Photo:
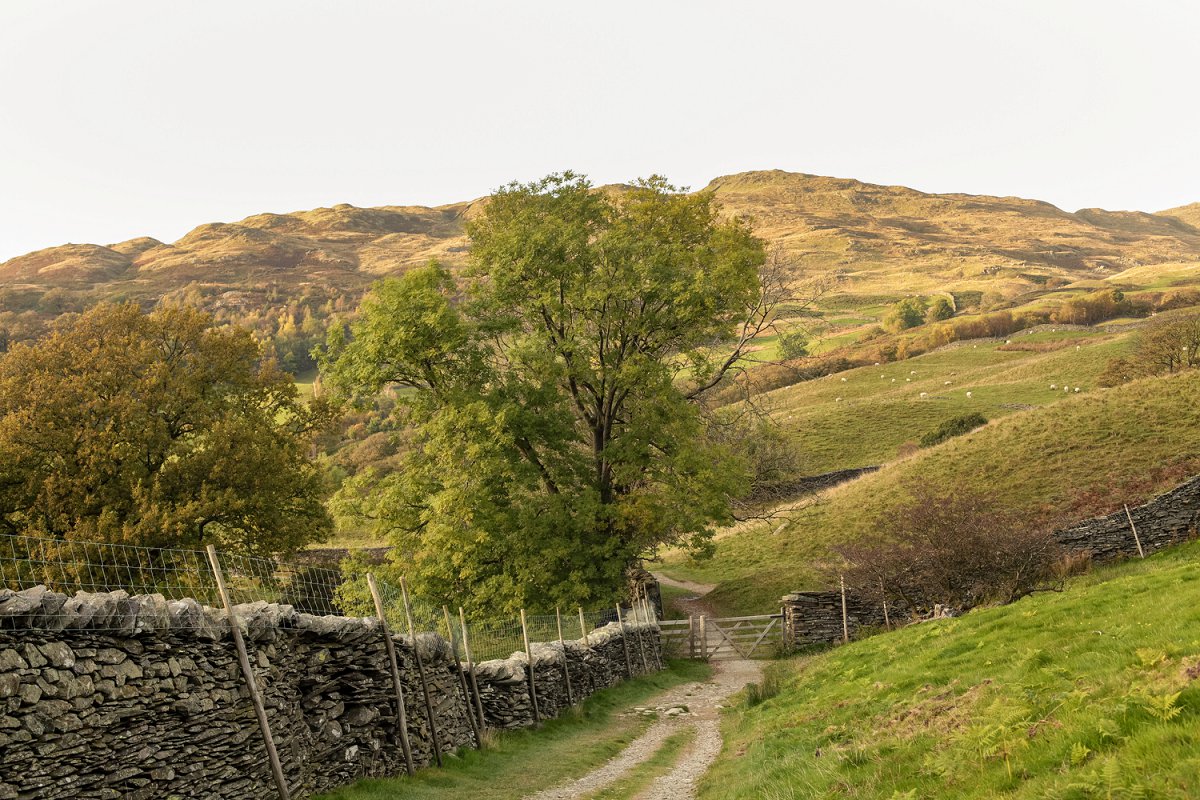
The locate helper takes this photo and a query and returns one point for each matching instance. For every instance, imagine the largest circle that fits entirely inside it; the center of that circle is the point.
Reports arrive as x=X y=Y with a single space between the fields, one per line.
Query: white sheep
x=968 y=394
x=1077 y=388
x=924 y=394
x=945 y=383
x=1054 y=386
x=843 y=380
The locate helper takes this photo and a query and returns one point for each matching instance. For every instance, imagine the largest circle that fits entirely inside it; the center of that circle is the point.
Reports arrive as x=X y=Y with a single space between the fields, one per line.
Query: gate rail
x=706 y=638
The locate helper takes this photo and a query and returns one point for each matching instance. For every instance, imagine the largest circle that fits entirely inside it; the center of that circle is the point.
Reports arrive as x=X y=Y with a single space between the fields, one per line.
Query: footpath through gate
x=707 y=638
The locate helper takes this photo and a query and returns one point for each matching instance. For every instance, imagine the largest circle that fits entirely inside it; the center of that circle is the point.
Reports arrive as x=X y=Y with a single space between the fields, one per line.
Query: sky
x=121 y=118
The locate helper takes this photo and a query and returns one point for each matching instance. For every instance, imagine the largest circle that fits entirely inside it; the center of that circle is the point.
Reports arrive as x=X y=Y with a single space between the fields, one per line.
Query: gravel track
x=702 y=701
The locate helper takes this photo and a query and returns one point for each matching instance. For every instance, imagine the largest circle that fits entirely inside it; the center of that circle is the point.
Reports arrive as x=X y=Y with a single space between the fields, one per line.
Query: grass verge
x=521 y=762
x=1091 y=693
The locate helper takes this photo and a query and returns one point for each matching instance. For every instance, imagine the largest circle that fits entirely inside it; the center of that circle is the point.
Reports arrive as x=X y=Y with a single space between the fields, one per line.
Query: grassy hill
x=1092 y=693
x=1075 y=456
x=879 y=242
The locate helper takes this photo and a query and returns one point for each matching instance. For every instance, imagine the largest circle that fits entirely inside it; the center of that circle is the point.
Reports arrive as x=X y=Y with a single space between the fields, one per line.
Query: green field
x=864 y=415
x=1091 y=693
x=1057 y=462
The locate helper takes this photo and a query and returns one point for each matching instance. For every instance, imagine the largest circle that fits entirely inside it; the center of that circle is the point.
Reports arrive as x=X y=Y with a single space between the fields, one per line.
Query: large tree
x=155 y=429
x=557 y=400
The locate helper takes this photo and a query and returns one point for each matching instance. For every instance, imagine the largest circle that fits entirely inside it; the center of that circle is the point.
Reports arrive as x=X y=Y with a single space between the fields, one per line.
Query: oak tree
x=155 y=429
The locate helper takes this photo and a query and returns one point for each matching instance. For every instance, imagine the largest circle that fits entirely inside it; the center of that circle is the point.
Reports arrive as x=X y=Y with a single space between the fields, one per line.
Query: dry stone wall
x=1169 y=519
x=112 y=696
x=1166 y=520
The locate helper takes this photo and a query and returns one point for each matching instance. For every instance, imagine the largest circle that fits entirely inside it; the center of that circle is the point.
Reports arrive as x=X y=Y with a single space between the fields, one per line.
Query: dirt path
x=689 y=605
x=702 y=701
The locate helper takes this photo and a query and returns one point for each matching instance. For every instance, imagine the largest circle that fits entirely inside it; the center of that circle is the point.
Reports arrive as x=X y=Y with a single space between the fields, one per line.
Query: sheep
x=968 y=394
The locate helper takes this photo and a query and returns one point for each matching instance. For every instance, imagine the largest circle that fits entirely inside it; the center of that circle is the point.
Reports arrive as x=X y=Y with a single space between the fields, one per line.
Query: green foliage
x=1164 y=346
x=1162 y=707
x=556 y=403
x=908 y=313
x=955 y=426
x=940 y=309
x=159 y=430
x=793 y=344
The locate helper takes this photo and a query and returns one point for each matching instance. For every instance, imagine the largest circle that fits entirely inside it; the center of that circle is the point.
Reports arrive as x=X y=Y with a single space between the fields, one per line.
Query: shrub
x=1167 y=345
x=908 y=313
x=939 y=310
x=957 y=550
x=793 y=344
x=955 y=426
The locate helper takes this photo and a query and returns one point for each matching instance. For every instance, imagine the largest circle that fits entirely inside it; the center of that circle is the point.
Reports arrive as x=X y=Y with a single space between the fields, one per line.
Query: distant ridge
x=857 y=230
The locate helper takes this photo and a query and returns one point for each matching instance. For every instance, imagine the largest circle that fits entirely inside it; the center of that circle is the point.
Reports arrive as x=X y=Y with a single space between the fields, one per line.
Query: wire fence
x=164 y=581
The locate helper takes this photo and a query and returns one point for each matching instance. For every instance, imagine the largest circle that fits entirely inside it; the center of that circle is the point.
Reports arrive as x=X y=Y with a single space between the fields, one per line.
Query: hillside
x=1076 y=456
x=876 y=239
x=1091 y=693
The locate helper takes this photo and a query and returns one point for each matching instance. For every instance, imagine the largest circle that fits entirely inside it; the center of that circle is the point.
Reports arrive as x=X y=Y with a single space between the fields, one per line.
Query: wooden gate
x=707 y=638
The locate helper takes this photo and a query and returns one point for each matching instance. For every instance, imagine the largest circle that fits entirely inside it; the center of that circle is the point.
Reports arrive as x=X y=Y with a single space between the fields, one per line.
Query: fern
x=1079 y=753
x=1162 y=707
x=1150 y=657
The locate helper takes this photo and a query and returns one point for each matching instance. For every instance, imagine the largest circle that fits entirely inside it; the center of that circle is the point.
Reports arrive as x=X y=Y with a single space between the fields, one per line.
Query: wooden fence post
x=248 y=674
x=583 y=629
x=845 y=621
x=887 y=621
x=462 y=619
x=1137 y=539
x=691 y=636
x=652 y=621
x=640 y=645
x=566 y=661
x=401 y=713
x=625 y=643
x=412 y=635
x=537 y=717
x=703 y=640
x=462 y=677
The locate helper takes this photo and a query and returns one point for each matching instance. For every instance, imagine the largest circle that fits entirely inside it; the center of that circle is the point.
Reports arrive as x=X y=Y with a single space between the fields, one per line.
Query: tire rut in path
x=701 y=700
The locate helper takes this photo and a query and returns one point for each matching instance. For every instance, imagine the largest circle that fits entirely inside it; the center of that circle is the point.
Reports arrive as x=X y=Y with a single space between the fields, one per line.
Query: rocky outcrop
x=108 y=695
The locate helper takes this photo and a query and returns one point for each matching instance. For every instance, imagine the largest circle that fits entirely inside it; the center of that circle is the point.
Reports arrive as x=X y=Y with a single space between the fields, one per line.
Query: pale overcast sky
x=122 y=118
